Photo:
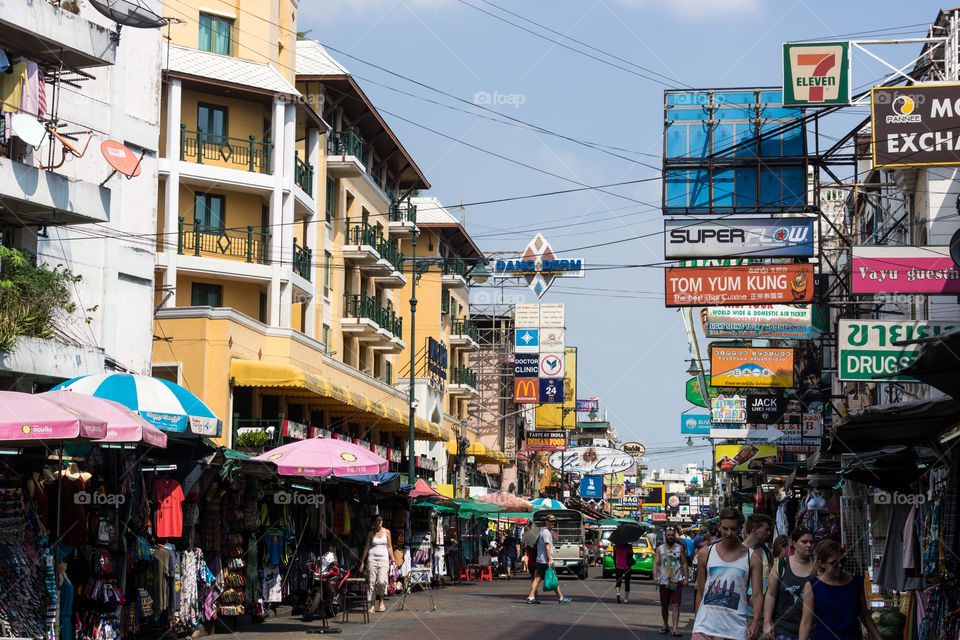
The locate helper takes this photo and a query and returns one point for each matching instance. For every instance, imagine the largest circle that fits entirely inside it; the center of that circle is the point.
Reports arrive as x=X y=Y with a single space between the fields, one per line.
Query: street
x=498 y=610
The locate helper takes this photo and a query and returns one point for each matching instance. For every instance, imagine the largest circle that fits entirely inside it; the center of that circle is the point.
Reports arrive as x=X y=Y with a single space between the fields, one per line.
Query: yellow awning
x=485 y=455
x=249 y=373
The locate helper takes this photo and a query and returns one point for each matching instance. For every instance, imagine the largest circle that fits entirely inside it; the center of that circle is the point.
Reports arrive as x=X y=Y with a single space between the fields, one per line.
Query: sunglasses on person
x=839 y=562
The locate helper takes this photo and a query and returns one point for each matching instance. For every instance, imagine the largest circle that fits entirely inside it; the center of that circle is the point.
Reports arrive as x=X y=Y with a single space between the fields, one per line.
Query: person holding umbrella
x=622 y=540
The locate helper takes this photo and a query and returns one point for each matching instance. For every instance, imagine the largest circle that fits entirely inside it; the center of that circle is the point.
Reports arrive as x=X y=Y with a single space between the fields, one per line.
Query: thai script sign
x=866 y=347
x=754 y=237
x=885 y=269
x=754 y=321
x=695 y=424
x=751 y=367
x=738 y=285
x=915 y=126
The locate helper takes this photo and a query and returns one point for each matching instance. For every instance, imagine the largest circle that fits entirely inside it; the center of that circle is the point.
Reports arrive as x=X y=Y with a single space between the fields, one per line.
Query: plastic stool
x=464 y=574
x=485 y=573
x=354 y=592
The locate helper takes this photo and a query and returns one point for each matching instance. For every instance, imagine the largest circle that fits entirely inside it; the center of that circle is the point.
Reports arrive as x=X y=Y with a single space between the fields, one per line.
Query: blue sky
x=632 y=349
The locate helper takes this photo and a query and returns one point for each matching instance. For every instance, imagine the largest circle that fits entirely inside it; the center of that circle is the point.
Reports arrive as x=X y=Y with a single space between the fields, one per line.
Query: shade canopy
x=547 y=503
x=162 y=403
x=509 y=501
x=323 y=457
x=904 y=423
x=123 y=424
x=27 y=419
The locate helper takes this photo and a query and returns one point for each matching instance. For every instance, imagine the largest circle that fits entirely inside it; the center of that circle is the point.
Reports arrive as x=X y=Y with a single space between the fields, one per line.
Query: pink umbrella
x=324 y=457
x=510 y=501
x=27 y=419
x=123 y=425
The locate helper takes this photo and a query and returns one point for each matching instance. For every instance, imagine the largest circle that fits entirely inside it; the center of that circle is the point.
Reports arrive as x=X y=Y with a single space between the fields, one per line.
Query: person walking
x=781 y=548
x=545 y=560
x=376 y=553
x=726 y=570
x=508 y=553
x=623 y=565
x=759 y=530
x=834 y=599
x=670 y=572
x=783 y=604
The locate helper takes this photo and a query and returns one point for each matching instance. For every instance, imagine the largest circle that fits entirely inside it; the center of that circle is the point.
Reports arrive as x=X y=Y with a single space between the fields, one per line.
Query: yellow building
x=279 y=260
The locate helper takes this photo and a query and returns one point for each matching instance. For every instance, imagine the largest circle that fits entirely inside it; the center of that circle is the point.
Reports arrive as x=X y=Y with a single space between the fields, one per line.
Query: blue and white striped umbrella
x=547 y=503
x=165 y=405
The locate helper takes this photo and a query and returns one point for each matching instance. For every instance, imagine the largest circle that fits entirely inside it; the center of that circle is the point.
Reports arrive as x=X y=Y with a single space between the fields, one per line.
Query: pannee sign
x=773 y=284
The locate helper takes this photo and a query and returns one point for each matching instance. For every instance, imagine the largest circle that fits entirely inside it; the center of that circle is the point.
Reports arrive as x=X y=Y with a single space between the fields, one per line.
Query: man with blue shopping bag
x=543 y=570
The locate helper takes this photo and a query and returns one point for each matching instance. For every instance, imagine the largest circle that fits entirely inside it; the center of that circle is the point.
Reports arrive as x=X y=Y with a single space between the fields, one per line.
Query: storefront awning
x=937 y=363
x=485 y=455
x=905 y=423
x=249 y=373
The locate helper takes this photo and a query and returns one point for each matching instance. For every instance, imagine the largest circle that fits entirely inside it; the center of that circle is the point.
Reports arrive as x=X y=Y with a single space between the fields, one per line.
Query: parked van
x=570 y=550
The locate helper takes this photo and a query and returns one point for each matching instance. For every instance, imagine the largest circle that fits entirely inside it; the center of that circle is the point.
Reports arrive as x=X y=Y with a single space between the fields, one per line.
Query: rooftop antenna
x=128 y=13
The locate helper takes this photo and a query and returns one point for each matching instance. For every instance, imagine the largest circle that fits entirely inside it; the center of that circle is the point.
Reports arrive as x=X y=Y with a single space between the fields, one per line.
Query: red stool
x=464 y=575
x=485 y=573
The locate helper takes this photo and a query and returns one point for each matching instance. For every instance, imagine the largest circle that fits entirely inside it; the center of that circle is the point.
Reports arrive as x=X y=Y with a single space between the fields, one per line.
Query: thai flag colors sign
x=751 y=367
x=772 y=284
x=904 y=270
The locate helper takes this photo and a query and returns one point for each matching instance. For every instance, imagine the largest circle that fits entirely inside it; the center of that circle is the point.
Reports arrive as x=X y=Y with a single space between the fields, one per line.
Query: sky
x=573 y=93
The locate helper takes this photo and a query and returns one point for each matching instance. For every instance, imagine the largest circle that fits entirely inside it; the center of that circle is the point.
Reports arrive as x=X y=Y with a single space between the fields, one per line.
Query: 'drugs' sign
x=866 y=347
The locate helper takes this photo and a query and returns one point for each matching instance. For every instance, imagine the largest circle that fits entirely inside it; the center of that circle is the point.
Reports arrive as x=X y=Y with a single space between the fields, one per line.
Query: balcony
x=463 y=383
x=403 y=219
x=375 y=255
x=345 y=153
x=223 y=151
x=366 y=319
x=303 y=175
x=302 y=260
x=454 y=273
x=464 y=335
x=250 y=245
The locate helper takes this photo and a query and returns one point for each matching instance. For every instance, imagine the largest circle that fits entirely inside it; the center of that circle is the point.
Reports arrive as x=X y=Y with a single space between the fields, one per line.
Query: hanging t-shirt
x=276 y=541
x=170 y=511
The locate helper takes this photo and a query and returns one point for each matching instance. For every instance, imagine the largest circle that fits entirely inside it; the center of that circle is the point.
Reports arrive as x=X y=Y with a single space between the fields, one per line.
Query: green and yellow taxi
x=642 y=557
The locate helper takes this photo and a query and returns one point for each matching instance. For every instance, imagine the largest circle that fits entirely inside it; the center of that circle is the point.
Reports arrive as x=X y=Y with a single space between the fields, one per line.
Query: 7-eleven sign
x=816 y=73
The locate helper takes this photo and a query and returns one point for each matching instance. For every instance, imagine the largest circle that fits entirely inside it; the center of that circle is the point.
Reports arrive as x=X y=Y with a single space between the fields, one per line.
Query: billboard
x=526 y=365
x=922 y=269
x=915 y=126
x=748 y=457
x=539 y=266
x=591 y=460
x=695 y=424
x=591 y=487
x=560 y=415
x=816 y=73
x=752 y=237
x=526 y=390
x=547 y=441
x=732 y=151
x=590 y=404
x=773 y=284
x=751 y=367
x=551 y=390
x=866 y=347
x=652 y=495
x=728 y=410
x=765 y=409
x=693 y=391
x=754 y=321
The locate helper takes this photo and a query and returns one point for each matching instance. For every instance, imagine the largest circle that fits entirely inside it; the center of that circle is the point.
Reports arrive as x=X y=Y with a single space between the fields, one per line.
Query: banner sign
x=526 y=316
x=584 y=406
x=866 y=347
x=695 y=424
x=748 y=457
x=634 y=449
x=728 y=410
x=527 y=341
x=693 y=391
x=437 y=358
x=551 y=390
x=539 y=266
x=915 y=126
x=552 y=315
x=526 y=365
x=765 y=409
x=526 y=390
x=591 y=460
x=630 y=502
x=771 y=284
x=547 y=441
x=885 y=269
x=551 y=365
x=551 y=339
x=591 y=487
x=816 y=73
x=295 y=430
x=754 y=321
x=751 y=367
x=651 y=495
x=753 y=237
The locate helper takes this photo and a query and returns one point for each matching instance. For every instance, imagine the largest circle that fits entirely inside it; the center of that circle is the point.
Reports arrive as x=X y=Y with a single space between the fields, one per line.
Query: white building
x=100 y=225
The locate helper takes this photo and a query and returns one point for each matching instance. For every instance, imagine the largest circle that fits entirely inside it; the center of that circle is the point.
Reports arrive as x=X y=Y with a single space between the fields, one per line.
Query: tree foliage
x=33 y=297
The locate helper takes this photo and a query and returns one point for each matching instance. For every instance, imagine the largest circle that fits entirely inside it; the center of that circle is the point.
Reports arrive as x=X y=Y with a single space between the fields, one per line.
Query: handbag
x=550 y=581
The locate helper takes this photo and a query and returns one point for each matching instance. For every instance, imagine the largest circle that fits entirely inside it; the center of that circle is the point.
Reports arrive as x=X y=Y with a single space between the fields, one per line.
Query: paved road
x=481 y=611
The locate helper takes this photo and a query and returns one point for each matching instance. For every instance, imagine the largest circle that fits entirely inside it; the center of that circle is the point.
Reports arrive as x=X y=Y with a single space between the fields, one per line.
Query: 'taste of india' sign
x=539 y=266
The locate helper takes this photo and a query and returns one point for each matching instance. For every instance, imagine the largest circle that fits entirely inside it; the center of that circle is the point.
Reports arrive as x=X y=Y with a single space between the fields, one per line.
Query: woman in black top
x=783 y=604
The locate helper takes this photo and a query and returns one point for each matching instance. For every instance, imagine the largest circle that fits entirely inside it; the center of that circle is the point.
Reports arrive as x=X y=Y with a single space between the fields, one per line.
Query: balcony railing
x=463 y=375
x=389 y=250
x=250 y=244
x=368 y=234
x=465 y=328
x=345 y=143
x=302 y=260
x=303 y=175
x=239 y=153
x=455 y=267
x=403 y=212
x=364 y=306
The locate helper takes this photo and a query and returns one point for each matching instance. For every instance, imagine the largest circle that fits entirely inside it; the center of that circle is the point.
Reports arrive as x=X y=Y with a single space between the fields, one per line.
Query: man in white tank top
x=726 y=569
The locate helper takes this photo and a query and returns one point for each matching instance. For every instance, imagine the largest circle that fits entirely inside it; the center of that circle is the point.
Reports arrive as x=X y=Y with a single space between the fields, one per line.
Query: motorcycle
x=325 y=587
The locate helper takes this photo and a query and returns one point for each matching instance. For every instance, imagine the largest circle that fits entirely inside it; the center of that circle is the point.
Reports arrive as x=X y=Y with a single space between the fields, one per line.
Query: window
x=325 y=338
x=208 y=210
x=206 y=295
x=327 y=273
x=331 y=199
x=212 y=120
x=389 y=373
x=216 y=34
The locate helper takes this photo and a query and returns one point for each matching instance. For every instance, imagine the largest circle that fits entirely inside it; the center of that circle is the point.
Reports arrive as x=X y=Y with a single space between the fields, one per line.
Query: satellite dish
x=121 y=158
x=128 y=13
x=955 y=247
x=29 y=129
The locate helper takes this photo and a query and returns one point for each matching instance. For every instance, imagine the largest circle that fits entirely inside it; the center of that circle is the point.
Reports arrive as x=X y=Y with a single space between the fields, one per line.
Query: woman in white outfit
x=377 y=556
